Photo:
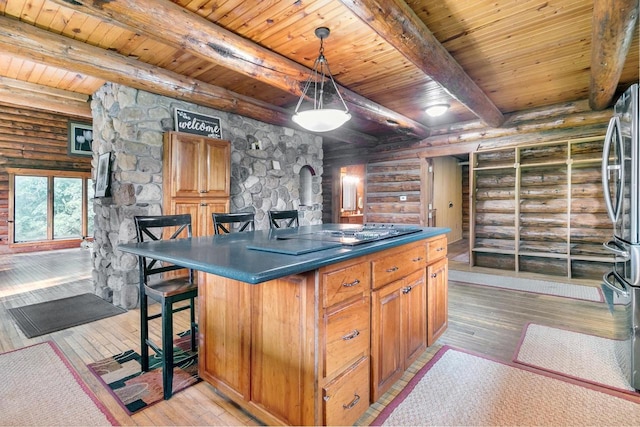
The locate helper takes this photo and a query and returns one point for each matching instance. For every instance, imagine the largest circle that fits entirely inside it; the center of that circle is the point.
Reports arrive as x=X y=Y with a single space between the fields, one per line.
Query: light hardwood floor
x=482 y=319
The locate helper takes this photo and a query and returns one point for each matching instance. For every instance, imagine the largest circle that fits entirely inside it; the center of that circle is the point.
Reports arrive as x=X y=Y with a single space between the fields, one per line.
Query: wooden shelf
x=545 y=195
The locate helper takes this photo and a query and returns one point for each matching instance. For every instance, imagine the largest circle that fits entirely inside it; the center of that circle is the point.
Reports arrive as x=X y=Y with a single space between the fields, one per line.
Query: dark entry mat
x=51 y=316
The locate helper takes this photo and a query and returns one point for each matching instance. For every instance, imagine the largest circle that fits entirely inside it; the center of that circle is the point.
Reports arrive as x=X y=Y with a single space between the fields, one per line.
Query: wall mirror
x=349 y=190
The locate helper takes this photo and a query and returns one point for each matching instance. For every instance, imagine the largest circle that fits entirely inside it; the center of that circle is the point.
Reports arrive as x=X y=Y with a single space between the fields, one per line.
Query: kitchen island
x=307 y=326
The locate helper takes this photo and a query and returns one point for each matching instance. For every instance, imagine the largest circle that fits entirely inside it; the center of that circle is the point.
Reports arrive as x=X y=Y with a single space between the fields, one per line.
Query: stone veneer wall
x=130 y=125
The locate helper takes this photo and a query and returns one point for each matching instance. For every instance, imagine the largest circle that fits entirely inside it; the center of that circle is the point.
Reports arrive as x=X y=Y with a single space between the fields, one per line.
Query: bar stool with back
x=166 y=292
x=277 y=219
x=223 y=222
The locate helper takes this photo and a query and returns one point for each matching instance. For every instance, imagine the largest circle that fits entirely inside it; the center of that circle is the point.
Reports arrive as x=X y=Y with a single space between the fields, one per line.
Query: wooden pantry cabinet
x=196 y=178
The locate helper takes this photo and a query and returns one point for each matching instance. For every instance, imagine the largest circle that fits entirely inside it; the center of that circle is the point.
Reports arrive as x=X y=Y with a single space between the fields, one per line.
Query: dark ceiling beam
x=614 y=22
x=399 y=26
x=202 y=38
x=29 y=42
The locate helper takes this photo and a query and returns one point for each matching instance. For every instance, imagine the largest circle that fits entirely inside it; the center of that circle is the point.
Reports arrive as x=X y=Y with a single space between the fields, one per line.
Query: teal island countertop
x=258 y=256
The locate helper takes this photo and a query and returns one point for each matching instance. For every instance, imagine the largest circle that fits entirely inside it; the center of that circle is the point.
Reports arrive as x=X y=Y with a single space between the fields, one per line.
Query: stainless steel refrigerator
x=621 y=183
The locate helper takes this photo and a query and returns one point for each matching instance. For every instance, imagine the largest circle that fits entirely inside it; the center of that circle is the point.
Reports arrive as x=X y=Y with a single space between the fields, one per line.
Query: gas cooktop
x=359 y=235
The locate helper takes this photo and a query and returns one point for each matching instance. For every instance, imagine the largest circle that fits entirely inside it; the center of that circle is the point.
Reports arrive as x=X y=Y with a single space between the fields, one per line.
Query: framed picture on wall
x=80 y=138
x=102 y=175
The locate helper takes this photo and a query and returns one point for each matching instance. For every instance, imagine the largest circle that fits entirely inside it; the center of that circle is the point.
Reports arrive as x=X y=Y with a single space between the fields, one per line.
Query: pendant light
x=318 y=118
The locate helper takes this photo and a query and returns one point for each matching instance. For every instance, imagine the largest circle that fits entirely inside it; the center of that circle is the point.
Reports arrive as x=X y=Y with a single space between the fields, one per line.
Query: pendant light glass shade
x=318 y=118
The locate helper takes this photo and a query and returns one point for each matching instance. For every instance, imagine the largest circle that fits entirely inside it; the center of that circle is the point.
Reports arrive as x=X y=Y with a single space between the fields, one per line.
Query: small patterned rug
x=567 y=290
x=462 y=389
x=136 y=390
x=39 y=387
x=585 y=357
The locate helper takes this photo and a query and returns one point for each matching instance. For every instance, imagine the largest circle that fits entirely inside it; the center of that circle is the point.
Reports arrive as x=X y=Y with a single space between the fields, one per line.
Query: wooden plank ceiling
x=391 y=58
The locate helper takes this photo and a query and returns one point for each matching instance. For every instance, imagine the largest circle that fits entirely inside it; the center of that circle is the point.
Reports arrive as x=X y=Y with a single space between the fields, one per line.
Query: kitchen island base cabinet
x=257 y=345
x=318 y=347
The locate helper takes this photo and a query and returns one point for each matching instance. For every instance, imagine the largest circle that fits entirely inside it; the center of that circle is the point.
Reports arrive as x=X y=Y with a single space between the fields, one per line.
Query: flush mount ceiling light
x=437 y=109
x=318 y=118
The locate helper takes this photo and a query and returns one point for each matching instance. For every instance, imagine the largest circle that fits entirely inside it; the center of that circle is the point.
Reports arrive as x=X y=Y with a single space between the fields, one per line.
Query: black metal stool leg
x=193 y=325
x=167 y=348
x=144 y=332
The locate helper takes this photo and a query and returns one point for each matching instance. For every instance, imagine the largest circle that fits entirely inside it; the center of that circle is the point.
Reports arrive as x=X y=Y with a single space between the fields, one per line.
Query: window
x=50 y=205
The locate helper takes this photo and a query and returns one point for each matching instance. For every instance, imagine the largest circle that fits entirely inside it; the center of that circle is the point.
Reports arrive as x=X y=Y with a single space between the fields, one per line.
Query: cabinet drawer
x=347 y=398
x=346 y=336
x=436 y=248
x=344 y=282
x=397 y=264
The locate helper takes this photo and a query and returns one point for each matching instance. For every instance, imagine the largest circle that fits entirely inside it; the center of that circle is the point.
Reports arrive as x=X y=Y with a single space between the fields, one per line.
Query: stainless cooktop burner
x=356 y=236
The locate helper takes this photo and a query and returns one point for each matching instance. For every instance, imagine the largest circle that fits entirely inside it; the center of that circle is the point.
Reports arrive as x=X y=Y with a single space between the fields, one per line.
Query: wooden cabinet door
x=414 y=308
x=205 y=227
x=216 y=170
x=387 y=361
x=184 y=164
x=437 y=297
x=200 y=210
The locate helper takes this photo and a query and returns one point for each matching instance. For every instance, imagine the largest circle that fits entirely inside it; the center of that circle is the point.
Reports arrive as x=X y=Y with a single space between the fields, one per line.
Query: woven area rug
x=135 y=390
x=51 y=316
x=585 y=357
x=458 y=388
x=39 y=387
x=567 y=290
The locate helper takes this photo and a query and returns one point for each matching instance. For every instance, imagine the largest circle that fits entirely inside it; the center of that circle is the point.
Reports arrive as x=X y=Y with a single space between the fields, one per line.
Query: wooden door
x=437 y=297
x=387 y=359
x=414 y=307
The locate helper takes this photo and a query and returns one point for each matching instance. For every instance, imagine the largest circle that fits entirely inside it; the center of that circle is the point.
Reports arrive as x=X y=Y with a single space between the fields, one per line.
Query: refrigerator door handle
x=620 y=290
x=614 y=126
x=612 y=246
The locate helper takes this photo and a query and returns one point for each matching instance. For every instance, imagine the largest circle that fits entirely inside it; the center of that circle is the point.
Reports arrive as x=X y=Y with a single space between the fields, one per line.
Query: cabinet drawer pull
x=352 y=335
x=417 y=259
x=203 y=204
x=434 y=275
x=352 y=284
x=203 y=191
x=407 y=289
x=439 y=249
x=353 y=403
x=392 y=269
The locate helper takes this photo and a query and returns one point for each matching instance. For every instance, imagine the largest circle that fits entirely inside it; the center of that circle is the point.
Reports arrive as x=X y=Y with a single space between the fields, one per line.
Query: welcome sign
x=199 y=124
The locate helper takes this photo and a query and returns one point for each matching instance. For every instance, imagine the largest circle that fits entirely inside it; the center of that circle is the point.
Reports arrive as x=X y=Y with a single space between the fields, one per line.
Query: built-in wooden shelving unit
x=540 y=208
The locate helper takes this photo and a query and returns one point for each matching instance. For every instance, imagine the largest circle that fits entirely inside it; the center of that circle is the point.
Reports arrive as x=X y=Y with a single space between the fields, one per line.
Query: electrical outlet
x=403 y=198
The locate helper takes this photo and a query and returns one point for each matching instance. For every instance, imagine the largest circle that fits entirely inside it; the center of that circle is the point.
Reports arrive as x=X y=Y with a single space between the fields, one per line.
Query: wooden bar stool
x=277 y=219
x=223 y=222
x=166 y=291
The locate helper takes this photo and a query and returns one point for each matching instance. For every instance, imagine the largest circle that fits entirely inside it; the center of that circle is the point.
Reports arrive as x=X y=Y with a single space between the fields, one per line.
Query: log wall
x=32 y=139
x=385 y=183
